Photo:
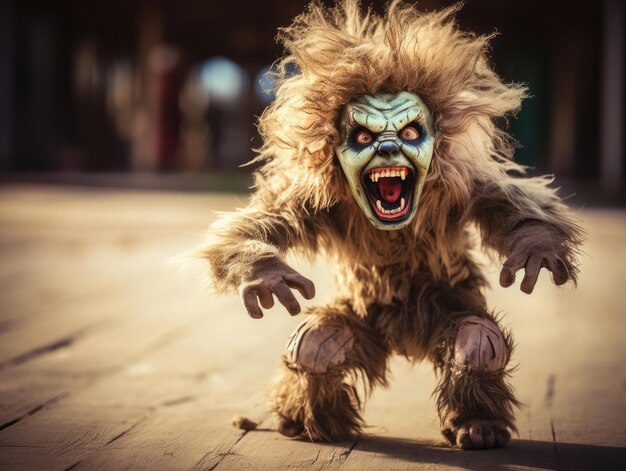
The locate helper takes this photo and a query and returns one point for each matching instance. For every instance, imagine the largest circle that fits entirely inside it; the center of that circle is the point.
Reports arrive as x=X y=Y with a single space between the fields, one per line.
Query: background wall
x=176 y=85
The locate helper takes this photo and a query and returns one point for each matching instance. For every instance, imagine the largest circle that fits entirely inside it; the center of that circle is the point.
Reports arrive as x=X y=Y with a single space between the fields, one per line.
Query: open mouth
x=390 y=191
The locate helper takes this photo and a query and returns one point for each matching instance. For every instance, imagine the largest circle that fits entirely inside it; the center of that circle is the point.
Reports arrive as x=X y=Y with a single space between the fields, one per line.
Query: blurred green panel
x=529 y=64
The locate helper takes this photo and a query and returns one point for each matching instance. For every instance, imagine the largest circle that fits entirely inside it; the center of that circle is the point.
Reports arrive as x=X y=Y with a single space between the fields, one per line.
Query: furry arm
x=524 y=220
x=245 y=251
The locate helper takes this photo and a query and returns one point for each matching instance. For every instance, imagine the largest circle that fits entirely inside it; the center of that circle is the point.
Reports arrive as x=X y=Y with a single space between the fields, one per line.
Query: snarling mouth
x=389 y=190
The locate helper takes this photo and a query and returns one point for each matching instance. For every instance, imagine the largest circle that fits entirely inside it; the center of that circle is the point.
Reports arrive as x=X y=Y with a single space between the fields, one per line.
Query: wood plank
x=140 y=401
x=185 y=436
x=142 y=394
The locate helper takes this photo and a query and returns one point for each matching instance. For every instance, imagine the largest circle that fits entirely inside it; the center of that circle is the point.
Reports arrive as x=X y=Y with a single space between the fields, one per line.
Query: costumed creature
x=382 y=152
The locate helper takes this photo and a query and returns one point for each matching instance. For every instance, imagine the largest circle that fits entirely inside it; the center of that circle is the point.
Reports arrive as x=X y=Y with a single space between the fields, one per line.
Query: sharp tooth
x=377 y=176
x=372 y=177
x=402 y=174
x=380 y=206
x=401 y=202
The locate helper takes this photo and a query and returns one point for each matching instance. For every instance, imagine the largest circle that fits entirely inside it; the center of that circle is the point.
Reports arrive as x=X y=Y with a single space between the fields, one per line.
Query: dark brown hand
x=534 y=245
x=274 y=278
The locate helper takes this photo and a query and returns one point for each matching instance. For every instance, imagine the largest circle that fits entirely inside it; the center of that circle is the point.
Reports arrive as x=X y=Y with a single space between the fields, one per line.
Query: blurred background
x=120 y=92
x=110 y=360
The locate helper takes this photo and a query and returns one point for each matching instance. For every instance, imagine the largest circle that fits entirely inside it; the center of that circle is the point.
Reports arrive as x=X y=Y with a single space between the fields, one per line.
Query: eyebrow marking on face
x=368 y=110
x=376 y=102
x=385 y=112
x=401 y=106
x=375 y=122
x=398 y=122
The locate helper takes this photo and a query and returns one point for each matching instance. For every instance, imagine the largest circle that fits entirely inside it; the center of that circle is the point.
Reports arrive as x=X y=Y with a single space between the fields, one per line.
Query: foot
x=475 y=434
x=288 y=427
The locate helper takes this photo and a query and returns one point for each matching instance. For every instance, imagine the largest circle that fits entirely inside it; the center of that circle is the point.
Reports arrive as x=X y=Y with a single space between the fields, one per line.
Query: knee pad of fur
x=366 y=357
x=327 y=407
x=328 y=404
x=465 y=393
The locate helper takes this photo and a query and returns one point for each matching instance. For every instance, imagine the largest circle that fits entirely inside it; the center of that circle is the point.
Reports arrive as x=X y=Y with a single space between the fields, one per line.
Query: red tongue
x=390 y=189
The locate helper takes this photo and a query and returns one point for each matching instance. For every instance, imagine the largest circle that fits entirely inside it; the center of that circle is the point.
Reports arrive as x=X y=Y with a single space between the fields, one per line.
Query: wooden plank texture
x=113 y=358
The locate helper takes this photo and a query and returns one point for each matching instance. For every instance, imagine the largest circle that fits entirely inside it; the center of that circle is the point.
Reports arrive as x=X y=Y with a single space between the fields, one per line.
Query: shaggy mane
x=342 y=52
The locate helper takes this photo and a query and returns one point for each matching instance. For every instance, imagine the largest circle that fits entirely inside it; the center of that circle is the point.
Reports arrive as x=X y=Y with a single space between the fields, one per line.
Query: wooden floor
x=111 y=357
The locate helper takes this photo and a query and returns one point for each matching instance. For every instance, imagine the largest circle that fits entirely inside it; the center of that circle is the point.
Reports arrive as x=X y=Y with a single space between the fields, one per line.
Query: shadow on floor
x=518 y=454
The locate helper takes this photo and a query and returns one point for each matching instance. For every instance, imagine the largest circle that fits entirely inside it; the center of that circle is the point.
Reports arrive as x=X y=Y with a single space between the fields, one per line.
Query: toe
x=502 y=437
x=463 y=439
x=476 y=435
x=289 y=428
x=449 y=435
x=489 y=436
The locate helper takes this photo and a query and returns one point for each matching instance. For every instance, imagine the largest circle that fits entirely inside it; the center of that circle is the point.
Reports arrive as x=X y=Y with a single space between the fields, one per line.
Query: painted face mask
x=386 y=149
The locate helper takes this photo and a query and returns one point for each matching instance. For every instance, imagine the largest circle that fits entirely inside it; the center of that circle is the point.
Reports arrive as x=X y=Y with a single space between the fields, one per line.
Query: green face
x=386 y=149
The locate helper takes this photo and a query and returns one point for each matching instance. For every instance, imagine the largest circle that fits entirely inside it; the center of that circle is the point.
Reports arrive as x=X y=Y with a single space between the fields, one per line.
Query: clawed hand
x=534 y=246
x=274 y=278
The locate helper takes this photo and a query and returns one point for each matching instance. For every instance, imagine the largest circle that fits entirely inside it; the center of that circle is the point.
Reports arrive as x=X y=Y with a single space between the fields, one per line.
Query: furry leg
x=474 y=400
x=315 y=393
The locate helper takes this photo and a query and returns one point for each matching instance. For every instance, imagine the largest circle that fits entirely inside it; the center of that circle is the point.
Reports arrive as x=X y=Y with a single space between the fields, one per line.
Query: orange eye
x=364 y=137
x=409 y=134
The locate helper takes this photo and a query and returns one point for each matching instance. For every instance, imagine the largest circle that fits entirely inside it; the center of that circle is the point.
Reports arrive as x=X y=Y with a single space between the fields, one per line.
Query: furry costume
x=415 y=290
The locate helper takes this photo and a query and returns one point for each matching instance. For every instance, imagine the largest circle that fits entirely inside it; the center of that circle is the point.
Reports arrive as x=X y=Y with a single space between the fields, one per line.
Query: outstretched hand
x=274 y=278
x=533 y=246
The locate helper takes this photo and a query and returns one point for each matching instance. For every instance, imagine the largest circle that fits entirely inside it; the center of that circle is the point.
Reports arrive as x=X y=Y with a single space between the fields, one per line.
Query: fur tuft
x=328 y=408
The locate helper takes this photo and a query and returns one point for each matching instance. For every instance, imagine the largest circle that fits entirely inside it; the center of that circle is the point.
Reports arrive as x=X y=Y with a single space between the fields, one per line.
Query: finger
x=302 y=284
x=489 y=437
x=463 y=439
x=532 y=273
x=476 y=435
x=286 y=298
x=265 y=297
x=507 y=277
x=560 y=273
x=249 y=297
x=509 y=268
